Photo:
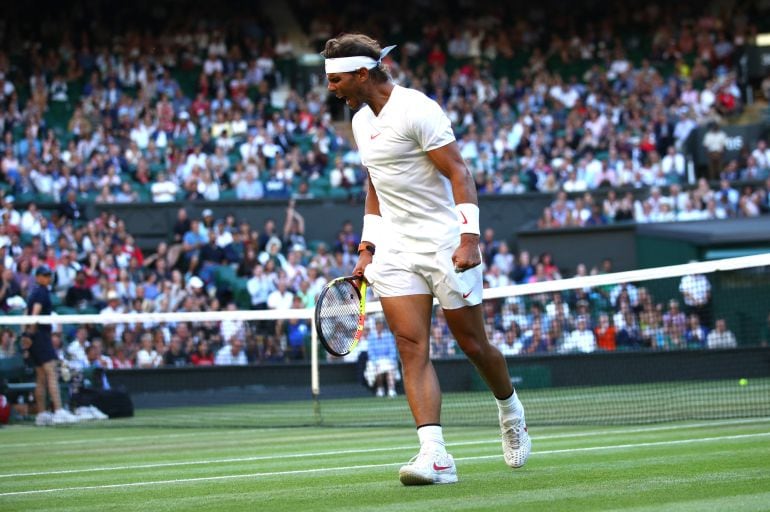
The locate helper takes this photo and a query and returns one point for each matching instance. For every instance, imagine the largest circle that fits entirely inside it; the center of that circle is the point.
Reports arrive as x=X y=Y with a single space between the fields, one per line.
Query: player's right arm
x=368 y=244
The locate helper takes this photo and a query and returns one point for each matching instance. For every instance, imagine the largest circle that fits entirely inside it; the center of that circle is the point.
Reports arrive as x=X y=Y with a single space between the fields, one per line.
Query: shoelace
x=431 y=456
x=512 y=434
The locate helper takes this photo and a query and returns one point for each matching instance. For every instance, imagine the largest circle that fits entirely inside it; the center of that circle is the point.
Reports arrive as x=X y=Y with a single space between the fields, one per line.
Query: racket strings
x=339 y=315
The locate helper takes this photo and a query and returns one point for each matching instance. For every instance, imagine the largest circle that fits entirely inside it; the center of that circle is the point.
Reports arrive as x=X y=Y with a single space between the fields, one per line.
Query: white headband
x=348 y=64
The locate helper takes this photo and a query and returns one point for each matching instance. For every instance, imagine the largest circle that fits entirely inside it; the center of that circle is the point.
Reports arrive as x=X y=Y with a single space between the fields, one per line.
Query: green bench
x=13 y=373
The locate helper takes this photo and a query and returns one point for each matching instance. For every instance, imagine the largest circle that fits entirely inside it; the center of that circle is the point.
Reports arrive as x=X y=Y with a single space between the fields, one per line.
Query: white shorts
x=394 y=273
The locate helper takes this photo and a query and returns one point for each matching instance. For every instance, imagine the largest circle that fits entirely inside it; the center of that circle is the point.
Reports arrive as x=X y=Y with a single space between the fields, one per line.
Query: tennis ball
x=743 y=382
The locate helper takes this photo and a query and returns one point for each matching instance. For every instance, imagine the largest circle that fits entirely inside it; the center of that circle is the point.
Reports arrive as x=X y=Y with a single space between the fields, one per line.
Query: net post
x=315 y=387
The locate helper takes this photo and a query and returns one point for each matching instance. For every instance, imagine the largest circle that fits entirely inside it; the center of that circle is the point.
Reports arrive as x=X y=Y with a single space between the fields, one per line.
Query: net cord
x=704 y=267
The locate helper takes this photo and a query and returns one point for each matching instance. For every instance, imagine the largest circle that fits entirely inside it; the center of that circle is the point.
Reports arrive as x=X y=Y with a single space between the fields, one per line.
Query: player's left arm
x=450 y=163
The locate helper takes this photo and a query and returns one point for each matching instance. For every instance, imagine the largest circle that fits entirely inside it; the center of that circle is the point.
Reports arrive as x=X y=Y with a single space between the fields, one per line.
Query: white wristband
x=372 y=228
x=468 y=217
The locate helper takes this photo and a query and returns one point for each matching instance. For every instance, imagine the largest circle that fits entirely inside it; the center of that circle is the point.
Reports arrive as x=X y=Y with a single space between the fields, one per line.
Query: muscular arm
x=371 y=207
x=449 y=162
x=372 y=203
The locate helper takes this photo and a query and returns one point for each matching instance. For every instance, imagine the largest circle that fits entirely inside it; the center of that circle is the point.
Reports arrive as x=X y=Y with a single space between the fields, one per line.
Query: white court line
x=370 y=466
x=363 y=451
x=155 y=437
x=373 y=450
x=251 y=431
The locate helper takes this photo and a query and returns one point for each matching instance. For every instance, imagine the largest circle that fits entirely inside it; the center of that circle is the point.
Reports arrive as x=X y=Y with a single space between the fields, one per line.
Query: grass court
x=215 y=461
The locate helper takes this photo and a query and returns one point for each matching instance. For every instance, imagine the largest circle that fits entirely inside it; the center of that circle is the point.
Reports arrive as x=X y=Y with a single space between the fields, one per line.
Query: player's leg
x=467 y=326
x=409 y=319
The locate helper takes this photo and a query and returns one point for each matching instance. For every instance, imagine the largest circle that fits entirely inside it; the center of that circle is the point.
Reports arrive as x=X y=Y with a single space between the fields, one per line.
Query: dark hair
x=354 y=45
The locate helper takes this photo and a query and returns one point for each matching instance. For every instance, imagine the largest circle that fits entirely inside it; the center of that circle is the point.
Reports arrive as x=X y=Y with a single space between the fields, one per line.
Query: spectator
x=249 y=187
x=696 y=293
x=582 y=339
x=210 y=257
x=674 y=165
x=721 y=337
x=79 y=295
x=76 y=349
x=297 y=334
x=147 y=356
x=537 y=341
x=175 y=355
x=121 y=360
x=65 y=274
x=202 y=355
x=10 y=290
x=71 y=209
x=232 y=329
x=675 y=324
x=164 y=190
x=231 y=354
x=383 y=358
x=696 y=334
x=715 y=141
x=281 y=297
x=629 y=336
x=605 y=334
x=126 y=195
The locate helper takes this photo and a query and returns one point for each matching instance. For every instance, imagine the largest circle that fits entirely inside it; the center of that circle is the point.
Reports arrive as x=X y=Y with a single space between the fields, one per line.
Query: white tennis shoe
x=64 y=417
x=97 y=414
x=44 y=419
x=516 y=441
x=89 y=412
x=429 y=467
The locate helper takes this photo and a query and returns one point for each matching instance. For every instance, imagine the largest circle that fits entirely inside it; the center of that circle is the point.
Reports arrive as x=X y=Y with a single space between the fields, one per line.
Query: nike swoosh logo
x=465 y=295
x=372 y=137
x=465 y=221
x=436 y=467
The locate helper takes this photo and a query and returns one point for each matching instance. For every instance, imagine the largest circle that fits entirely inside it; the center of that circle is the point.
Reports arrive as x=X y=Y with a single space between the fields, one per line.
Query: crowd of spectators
x=540 y=101
x=608 y=318
x=111 y=116
x=701 y=202
x=569 y=112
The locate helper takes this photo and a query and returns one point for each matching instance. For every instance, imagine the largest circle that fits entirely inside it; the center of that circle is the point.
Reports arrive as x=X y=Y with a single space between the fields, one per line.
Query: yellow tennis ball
x=743 y=382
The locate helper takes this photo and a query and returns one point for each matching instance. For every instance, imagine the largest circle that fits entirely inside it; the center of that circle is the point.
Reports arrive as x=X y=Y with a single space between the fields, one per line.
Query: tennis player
x=420 y=240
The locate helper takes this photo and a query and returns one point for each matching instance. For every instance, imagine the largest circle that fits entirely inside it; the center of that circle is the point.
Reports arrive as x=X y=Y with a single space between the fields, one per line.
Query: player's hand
x=467 y=255
x=364 y=259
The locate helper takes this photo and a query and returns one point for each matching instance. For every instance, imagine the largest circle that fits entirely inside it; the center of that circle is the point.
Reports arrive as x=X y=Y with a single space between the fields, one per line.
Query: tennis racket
x=340 y=313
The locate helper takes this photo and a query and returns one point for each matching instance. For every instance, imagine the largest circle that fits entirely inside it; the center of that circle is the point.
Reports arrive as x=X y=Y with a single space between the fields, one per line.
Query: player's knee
x=472 y=348
x=409 y=346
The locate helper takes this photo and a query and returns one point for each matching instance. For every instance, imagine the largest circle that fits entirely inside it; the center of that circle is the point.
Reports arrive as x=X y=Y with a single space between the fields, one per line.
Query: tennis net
x=662 y=344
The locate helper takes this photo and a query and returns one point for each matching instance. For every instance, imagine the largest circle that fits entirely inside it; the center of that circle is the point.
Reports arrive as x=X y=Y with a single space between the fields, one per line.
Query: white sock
x=510 y=406
x=431 y=436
